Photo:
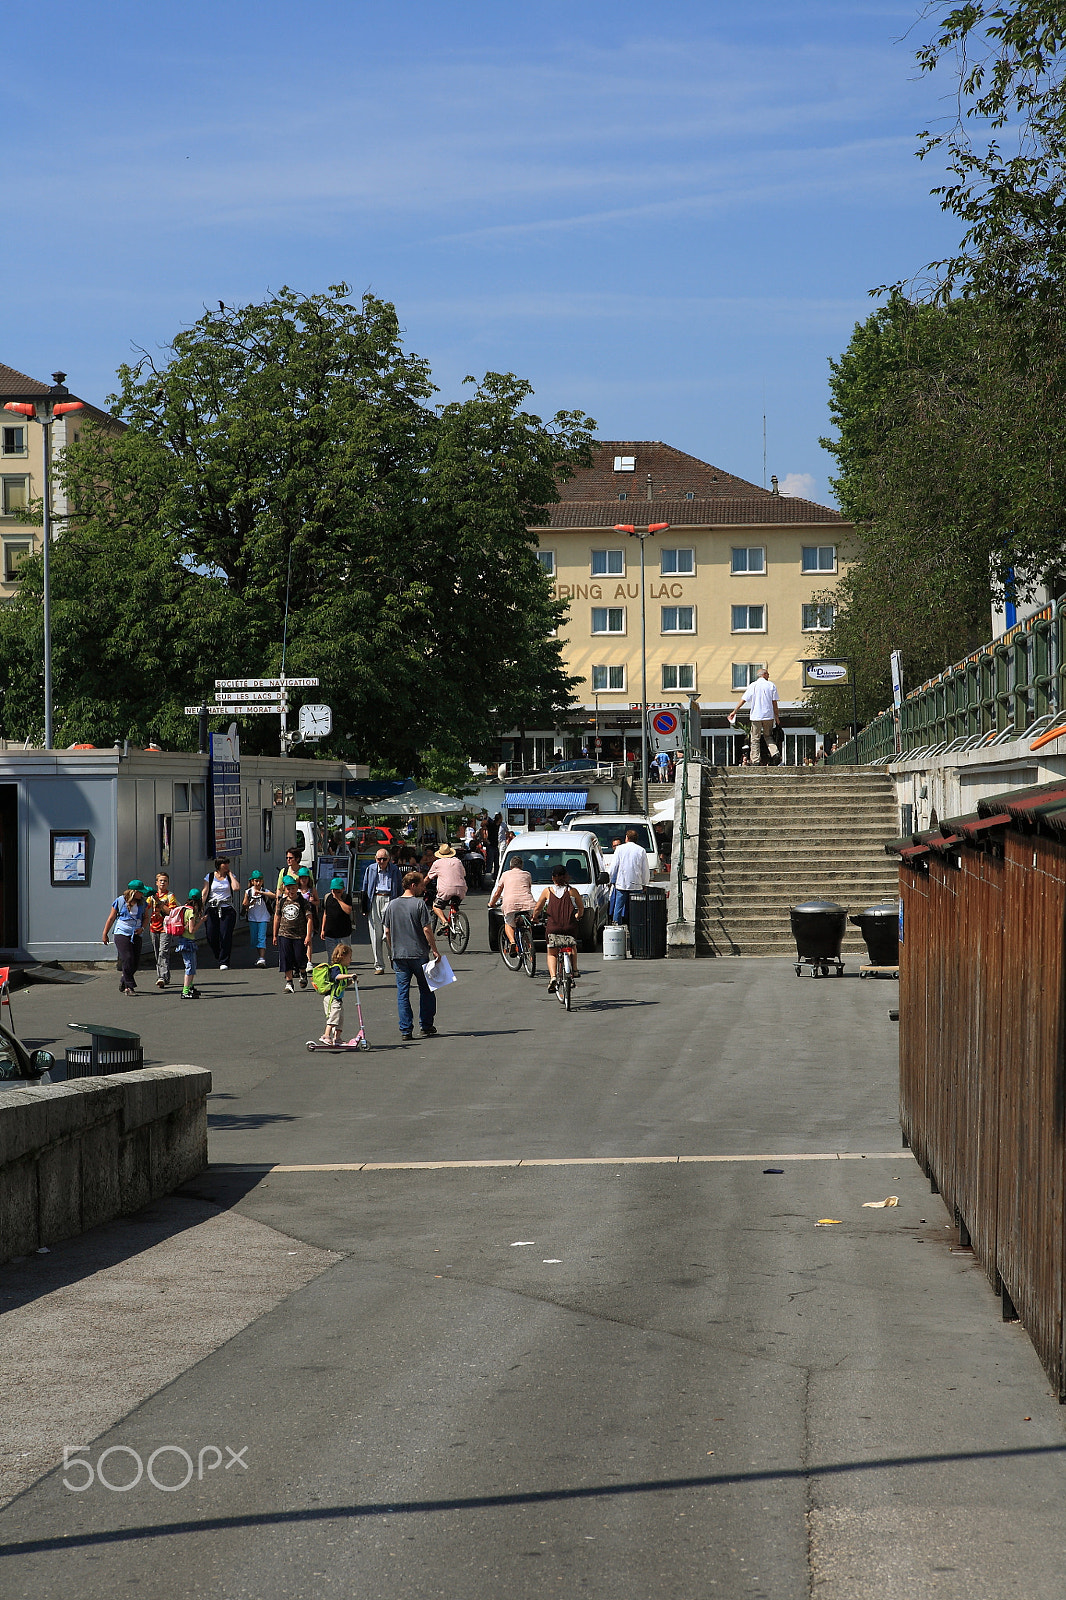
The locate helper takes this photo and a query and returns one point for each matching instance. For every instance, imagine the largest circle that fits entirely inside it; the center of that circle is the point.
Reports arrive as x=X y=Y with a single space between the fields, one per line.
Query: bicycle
x=456 y=929
x=564 y=974
x=523 y=952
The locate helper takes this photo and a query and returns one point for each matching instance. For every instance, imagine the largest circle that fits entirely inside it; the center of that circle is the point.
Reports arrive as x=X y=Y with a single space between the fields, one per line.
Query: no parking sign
x=664 y=729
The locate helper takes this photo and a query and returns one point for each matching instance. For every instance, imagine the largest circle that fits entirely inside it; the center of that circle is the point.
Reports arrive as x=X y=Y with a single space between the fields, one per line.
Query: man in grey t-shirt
x=408 y=924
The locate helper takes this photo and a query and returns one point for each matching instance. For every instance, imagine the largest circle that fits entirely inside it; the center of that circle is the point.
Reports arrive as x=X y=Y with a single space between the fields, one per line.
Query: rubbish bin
x=110 y=1050
x=647 y=924
x=818 y=928
x=879 y=926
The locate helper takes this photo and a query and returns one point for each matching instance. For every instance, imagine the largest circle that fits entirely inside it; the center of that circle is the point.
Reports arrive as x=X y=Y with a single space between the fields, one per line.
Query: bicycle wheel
x=529 y=953
x=566 y=990
x=511 y=953
x=459 y=932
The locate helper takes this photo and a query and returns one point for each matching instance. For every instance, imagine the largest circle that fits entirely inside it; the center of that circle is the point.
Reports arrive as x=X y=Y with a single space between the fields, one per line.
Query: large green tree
x=291 y=449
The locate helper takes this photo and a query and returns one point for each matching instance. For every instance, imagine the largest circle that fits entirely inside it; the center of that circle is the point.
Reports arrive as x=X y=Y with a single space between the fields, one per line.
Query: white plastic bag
x=439 y=972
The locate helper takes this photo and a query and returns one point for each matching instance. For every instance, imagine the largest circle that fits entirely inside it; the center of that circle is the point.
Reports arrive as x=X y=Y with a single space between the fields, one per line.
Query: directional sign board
x=246 y=696
x=266 y=683
x=258 y=709
x=664 y=730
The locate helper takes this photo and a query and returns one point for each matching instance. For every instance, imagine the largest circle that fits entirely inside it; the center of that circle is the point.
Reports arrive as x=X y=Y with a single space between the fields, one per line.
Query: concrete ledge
x=76 y=1154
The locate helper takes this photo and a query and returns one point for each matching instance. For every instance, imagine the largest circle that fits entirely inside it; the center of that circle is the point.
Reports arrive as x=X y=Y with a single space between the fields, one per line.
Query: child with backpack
x=331 y=982
x=258 y=907
x=181 y=924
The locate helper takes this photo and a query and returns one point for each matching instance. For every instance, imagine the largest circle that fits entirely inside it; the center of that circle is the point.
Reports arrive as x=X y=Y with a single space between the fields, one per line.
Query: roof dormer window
x=625 y=463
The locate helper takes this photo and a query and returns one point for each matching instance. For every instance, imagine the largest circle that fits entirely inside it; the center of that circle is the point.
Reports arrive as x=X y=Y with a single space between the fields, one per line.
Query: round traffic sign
x=665 y=723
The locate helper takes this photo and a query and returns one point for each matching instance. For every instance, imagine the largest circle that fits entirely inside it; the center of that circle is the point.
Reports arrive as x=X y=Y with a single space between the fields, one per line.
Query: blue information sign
x=225 y=820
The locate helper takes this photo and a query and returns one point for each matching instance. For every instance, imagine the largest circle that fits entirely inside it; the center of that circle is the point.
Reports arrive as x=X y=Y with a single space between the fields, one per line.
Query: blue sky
x=668 y=217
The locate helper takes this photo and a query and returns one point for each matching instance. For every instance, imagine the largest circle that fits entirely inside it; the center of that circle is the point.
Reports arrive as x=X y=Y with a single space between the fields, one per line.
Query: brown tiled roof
x=770 y=510
x=673 y=475
x=16 y=385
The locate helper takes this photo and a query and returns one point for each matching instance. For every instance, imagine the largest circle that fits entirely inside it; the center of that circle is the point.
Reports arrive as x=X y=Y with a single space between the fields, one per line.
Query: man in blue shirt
x=381 y=883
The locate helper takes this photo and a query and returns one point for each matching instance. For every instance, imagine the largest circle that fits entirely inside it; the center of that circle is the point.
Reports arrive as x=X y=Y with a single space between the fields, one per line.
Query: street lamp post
x=46 y=412
x=642 y=534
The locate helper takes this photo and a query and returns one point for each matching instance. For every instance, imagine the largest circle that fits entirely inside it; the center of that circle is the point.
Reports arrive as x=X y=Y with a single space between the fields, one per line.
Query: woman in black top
x=336 y=912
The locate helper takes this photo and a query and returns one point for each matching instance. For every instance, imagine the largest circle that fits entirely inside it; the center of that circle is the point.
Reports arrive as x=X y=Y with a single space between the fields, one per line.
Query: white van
x=580 y=854
x=614 y=825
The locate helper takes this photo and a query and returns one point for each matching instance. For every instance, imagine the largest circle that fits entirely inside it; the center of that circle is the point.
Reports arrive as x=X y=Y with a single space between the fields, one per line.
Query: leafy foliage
x=291 y=446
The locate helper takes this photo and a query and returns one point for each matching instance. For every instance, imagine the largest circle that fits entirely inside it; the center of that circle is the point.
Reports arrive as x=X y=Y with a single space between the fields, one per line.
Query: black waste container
x=647 y=924
x=818 y=928
x=879 y=926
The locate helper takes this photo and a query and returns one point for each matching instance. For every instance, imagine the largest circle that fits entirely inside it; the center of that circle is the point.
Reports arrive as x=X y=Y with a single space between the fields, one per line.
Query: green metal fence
x=998 y=693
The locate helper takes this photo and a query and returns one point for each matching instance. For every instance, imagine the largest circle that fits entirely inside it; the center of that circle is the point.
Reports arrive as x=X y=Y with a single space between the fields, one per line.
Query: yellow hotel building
x=729 y=587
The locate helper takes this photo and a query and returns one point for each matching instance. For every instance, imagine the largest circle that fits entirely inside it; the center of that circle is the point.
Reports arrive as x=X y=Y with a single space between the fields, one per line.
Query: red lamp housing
x=68 y=405
x=624 y=527
x=658 y=527
x=23 y=407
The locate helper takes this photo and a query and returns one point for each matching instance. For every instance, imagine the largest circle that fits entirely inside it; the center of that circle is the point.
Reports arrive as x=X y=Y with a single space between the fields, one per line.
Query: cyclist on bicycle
x=449 y=877
x=515 y=888
x=563 y=906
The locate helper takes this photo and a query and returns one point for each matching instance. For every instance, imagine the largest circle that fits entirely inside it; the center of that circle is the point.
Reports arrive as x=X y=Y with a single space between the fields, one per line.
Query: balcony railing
x=1011 y=687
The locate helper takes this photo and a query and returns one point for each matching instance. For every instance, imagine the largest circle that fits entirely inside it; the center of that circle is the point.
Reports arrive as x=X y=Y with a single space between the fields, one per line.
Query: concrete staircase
x=772 y=837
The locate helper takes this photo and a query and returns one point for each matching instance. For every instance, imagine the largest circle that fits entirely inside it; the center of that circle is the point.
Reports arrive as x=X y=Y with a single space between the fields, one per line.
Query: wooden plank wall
x=982 y=1093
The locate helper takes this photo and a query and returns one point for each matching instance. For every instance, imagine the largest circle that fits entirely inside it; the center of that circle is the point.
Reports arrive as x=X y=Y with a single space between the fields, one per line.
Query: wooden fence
x=982 y=1098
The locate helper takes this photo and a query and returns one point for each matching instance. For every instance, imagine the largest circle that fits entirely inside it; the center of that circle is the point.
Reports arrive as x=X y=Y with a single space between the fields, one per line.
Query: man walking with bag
x=760 y=698
x=409 y=930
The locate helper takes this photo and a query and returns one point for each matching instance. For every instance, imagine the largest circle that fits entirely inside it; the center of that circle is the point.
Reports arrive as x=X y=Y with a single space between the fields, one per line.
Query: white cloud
x=800 y=485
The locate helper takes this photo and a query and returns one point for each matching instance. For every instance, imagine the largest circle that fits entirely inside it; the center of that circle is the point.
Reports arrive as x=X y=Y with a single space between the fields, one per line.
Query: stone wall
x=76 y=1154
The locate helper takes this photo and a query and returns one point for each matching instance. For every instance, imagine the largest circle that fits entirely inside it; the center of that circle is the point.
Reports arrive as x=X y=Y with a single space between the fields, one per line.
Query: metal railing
x=998 y=693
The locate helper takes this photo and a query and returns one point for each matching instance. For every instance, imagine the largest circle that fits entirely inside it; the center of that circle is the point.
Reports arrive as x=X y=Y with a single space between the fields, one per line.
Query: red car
x=370 y=838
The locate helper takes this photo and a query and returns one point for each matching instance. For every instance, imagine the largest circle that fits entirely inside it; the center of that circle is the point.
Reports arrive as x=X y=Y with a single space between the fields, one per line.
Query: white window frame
x=625 y=463
x=675 y=551
x=816 y=605
x=677 y=668
x=751 y=670
x=818 y=549
x=10 y=546
x=749 y=609
x=747 y=572
x=547 y=565
x=13 y=477
x=608 y=667
x=662 y=619
x=613 y=550
x=606 y=611
x=16 y=455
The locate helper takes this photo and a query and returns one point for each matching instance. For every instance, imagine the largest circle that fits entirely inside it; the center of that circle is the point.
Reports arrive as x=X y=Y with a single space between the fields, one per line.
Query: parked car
x=369 y=838
x=582 y=857
x=578 y=764
x=608 y=826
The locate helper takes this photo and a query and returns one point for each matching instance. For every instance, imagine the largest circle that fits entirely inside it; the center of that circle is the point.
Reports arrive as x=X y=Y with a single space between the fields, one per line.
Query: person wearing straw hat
x=448 y=875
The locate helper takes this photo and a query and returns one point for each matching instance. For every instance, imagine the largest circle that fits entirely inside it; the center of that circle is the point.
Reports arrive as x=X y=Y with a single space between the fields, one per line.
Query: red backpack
x=175 y=921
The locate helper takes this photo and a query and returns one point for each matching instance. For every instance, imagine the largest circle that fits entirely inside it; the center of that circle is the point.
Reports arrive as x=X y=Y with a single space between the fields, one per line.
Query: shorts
x=447 y=900
x=292 y=955
x=334 y=1009
x=560 y=941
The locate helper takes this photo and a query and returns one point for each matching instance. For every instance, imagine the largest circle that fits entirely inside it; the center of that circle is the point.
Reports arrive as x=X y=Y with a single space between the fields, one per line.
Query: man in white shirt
x=760 y=699
x=629 y=870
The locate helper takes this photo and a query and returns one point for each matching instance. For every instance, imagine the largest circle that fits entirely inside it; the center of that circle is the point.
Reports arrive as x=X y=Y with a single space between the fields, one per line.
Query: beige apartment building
x=730 y=586
x=22 y=468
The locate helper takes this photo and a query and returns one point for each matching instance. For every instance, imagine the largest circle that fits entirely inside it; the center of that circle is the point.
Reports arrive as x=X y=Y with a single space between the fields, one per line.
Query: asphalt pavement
x=585 y=1303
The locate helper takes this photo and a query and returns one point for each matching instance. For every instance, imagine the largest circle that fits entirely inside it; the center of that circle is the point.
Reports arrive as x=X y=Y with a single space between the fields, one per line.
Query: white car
x=614 y=825
x=579 y=852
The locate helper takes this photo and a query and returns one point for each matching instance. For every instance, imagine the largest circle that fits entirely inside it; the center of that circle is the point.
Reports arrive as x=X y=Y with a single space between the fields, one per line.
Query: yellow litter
x=879 y=1205
x=828 y=1222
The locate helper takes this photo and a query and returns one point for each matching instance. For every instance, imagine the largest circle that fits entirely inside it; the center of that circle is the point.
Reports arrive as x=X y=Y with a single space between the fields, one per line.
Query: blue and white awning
x=546 y=799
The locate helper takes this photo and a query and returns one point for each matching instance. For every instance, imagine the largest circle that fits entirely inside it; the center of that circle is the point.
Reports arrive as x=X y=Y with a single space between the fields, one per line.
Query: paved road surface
x=610 y=1354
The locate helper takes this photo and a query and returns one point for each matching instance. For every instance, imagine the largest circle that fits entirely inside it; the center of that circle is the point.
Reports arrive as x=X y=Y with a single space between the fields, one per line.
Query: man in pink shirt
x=448 y=877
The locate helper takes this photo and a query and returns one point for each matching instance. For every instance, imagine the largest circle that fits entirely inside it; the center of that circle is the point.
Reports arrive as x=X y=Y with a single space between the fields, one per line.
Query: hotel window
x=14 y=495
x=547 y=561
x=608 y=563
x=678 y=619
x=606 y=679
x=745 y=672
x=750 y=559
x=819 y=558
x=608 y=619
x=13 y=442
x=680 y=677
x=749 y=619
x=817 y=618
x=15 y=553
x=681 y=562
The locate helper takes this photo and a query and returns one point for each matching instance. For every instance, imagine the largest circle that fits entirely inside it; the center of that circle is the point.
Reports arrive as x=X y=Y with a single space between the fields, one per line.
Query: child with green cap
x=336 y=912
x=192 y=914
x=258 y=908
